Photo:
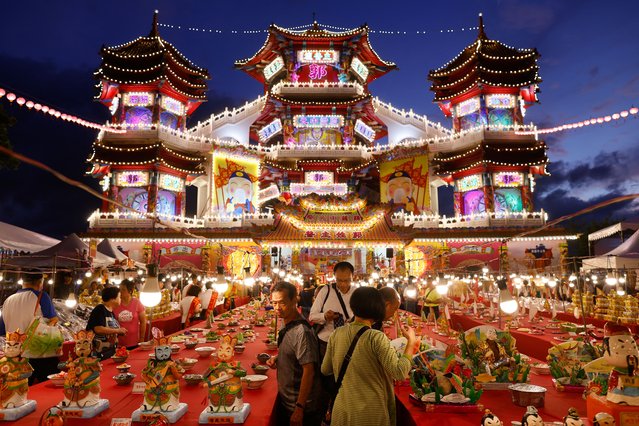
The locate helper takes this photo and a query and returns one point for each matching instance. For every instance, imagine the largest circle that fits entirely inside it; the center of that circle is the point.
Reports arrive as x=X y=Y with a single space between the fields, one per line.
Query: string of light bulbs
x=45 y=109
x=589 y=122
x=422 y=32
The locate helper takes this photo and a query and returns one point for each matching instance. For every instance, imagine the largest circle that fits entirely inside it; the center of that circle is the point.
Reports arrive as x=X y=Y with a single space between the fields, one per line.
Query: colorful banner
x=235 y=184
x=534 y=257
x=320 y=261
x=404 y=184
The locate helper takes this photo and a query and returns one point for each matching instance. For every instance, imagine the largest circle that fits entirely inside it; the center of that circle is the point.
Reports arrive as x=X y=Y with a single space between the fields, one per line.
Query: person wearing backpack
x=297 y=363
x=331 y=307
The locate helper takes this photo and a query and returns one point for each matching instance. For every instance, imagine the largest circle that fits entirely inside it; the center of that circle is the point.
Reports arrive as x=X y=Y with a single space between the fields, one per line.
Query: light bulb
x=20 y=281
x=573 y=277
x=622 y=280
x=87 y=274
x=508 y=306
x=610 y=280
x=411 y=293
x=571 y=284
x=442 y=289
x=50 y=282
x=173 y=278
x=282 y=273
x=70 y=302
x=552 y=283
x=375 y=276
x=621 y=292
x=79 y=282
x=1 y=277
x=140 y=272
x=150 y=295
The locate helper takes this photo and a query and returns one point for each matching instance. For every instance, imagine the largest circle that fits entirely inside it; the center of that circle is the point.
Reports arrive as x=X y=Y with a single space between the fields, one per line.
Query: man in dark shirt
x=297 y=362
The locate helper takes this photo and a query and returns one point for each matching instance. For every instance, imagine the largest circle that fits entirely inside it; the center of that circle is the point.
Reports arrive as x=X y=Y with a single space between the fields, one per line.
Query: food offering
x=441 y=382
x=567 y=360
x=82 y=382
x=224 y=381
x=493 y=357
x=15 y=371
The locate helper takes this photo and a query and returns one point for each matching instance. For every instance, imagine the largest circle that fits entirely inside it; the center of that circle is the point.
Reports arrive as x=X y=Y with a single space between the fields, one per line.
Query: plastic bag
x=43 y=340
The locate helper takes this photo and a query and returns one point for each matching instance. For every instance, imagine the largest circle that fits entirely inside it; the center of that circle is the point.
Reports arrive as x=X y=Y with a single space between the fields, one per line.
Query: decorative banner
x=404 y=184
x=508 y=179
x=359 y=68
x=316 y=261
x=298 y=189
x=318 y=121
x=273 y=68
x=270 y=130
x=132 y=179
x=364 y=130
x=172 y=105
x=467 y=107
x=468 y=183
x=138 y=99
x=235 y=184
x=531 y=258
x=242 y=258
x=318 y=178
x=317 y=56
x=172 y=183
x=500 y=101
x=473 y=256
x=474 y=202
x=508 y=200
x=268 y=194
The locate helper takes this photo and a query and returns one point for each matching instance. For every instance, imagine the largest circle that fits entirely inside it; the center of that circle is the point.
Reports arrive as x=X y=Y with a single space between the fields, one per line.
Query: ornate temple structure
x=318 y=170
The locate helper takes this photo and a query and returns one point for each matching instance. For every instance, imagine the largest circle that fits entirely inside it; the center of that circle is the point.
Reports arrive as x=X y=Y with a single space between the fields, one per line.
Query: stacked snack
x=631 y=305
x=601 y=306
x=589 y=307
x=616 y=307
x=163 y=308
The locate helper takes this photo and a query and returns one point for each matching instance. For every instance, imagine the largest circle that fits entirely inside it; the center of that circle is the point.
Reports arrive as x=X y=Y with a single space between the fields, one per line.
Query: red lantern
x=20 y=101
x=2 y=92
x=11 y=97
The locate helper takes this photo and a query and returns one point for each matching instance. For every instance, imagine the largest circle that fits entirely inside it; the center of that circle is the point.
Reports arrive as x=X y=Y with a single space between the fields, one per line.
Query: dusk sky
x=589 y=65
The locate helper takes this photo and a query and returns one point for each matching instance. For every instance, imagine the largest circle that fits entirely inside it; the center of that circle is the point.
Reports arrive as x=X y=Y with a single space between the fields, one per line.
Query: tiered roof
x=152 y=59
x=487 y=62
x=147 y=154
x=280 y=41
x=491 y=153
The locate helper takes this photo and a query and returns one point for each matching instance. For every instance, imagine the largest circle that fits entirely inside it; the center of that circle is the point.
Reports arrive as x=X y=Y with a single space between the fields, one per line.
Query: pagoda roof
x=488 y=62
x=147 y=154
x=152 y=59
x=519 y=154
x=280 y=40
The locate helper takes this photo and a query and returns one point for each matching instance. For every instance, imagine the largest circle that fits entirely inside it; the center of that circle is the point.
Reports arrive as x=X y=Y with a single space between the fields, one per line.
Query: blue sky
x=589 y=62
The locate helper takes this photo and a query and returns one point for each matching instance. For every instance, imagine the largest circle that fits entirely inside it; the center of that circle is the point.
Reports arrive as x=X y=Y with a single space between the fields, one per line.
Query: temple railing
x=482 y=220
x=120 y=219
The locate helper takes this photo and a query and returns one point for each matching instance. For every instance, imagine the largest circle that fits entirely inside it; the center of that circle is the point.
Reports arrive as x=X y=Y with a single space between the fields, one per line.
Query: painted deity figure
x=14 y=372
x=494 y=353
x=224 y=379
x=620 y=351
x=161 y=375
x=532 y=417
x=82 y=382
x=489 y=419
x=240 y=194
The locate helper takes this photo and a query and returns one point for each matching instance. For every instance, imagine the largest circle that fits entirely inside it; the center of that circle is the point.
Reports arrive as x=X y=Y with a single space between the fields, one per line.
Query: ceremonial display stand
x=11 y=414
x=140 y=415
x=625 y=415
x=86 y=412
x=207 y=417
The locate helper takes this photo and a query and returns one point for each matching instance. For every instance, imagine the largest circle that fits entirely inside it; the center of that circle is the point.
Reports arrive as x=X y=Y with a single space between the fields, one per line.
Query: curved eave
x=295 y=103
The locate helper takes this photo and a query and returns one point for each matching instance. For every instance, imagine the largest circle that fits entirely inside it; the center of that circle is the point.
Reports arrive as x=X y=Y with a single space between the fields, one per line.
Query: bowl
x=190 y=344
x=205 y=351
x=524 y=395
x=270 y=345
x=221 y=326
x=193 y=379
x=260 y=369
x=57 y=379
x=263 y=357
x=146 y=346
x=119 y=359
x=175 y=349
x=123 y=368
x=254 y=381
x=187 y=363
x=123 y=379
x=239 y=349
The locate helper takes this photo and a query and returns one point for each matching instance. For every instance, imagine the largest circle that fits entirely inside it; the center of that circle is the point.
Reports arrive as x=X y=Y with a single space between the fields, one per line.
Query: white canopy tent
x=625 y=256
x=15 y=238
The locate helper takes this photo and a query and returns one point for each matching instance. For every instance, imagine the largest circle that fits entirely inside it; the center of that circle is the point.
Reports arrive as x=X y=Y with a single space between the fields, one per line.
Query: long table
x=123 y=402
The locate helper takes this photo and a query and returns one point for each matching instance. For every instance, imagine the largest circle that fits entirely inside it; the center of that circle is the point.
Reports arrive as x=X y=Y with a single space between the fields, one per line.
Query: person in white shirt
x=327 y=310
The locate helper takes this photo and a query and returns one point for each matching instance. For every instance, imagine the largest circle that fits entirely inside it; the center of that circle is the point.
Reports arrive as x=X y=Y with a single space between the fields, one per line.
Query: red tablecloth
x=123 y=403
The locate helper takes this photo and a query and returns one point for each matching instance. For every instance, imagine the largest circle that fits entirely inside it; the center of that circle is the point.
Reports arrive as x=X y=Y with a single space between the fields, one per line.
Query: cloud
x=536 y=18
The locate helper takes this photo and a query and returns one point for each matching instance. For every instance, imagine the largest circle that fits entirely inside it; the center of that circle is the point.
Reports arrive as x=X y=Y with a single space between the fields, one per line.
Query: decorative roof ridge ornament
x=154 y=26
x=482 y=34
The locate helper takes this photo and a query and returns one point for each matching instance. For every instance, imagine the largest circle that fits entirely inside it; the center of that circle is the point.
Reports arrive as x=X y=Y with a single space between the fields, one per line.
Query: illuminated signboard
x=467 y=107
x=171 y=183
x=508 y=179
x=469 y=183
x=271 y=129
x=171 y=105
x=138 y=99
x=129 y=179
x=303 y=189
x=500 y=101
x=364 y=130
x=317 y=56
x=268 y=193
x=317 y=71
x=318 y=178
x=273 y=68
x=359 y=68
x=319 y=121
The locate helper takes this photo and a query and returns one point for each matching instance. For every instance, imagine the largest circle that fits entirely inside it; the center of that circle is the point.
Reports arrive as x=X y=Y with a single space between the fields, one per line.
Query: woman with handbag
x=367 y=365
